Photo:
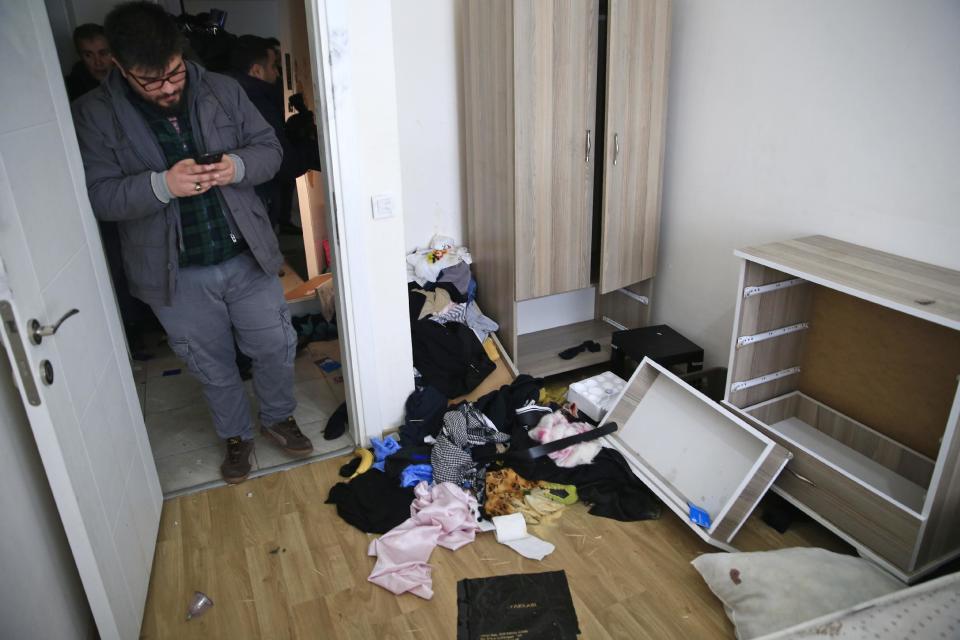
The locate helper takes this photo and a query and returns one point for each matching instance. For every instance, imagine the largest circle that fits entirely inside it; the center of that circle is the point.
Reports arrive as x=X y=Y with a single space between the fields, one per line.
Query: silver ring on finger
x=197 y=187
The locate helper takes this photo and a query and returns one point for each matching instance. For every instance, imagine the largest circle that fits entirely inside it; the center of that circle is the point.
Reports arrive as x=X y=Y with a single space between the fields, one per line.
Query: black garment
x=135 y=314
x=79 y=81
x=501 y=405
x=301 y=129
x=424 y=416
x=372 y=502
x=395 y=463
x=416 y=301
x=277 y=192
x=573 y=352
x=314 y=327
x=449 y=356
x=337 y=423
x=607 y=483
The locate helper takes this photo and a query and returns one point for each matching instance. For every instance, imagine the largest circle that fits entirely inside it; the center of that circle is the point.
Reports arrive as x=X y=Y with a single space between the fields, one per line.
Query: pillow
x=766 y=591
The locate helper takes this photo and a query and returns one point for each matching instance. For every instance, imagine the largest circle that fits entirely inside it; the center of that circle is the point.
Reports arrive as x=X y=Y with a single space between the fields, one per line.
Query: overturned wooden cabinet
x=849 y=358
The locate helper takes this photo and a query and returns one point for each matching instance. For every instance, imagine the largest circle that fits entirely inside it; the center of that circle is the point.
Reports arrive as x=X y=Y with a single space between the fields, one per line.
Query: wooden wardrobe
x=565 y=105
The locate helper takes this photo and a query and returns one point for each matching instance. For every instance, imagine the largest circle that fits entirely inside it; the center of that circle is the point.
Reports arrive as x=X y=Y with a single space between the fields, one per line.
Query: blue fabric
x=383 y=449
x=415 y=473
x=472 y=290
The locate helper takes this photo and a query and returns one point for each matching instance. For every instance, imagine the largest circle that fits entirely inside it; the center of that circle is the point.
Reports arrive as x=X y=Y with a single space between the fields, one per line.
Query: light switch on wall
x=382 y=206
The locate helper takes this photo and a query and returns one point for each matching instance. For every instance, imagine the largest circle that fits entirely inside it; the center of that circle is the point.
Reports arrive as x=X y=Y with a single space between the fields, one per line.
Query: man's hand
x=187 y=178
x=223 y=172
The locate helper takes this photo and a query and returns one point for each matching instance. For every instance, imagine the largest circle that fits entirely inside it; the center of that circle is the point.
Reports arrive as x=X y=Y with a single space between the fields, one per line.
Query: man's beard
x=170 y=110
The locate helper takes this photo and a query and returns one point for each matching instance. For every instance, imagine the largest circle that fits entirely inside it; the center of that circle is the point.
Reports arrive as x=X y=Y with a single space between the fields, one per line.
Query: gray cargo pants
x=211 y=306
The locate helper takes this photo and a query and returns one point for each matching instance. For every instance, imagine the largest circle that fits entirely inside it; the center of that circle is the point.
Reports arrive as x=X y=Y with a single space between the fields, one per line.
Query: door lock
x=46 y=372
x=38 y=332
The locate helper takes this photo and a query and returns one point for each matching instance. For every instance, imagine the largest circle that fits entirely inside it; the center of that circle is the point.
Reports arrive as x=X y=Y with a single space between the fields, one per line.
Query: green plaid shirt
x=207 y=239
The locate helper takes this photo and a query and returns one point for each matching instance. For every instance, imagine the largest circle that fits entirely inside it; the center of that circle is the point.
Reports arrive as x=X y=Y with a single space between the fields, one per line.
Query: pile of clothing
x=454 y=465
x=448 y=328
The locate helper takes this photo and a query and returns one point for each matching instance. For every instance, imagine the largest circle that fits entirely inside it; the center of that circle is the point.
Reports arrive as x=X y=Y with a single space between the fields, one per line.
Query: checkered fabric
x=463 y=428
x=207 y=239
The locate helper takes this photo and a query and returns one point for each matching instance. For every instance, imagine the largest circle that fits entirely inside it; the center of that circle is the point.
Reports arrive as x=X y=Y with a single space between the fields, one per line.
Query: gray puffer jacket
x=120 y=153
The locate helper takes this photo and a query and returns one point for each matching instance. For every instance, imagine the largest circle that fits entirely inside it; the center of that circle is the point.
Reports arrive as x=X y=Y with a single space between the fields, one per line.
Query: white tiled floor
x=186 y=447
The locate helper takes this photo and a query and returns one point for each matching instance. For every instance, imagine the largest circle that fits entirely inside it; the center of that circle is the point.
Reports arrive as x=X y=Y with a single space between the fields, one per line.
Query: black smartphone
x=209 y=158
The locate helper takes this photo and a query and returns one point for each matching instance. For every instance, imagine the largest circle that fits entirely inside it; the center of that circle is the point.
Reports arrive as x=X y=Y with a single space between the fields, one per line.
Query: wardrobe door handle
x=616 y=148
x=586 y=158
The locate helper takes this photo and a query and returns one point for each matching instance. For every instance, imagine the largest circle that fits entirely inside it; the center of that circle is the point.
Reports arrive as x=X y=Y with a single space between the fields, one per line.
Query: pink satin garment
x=443 y=515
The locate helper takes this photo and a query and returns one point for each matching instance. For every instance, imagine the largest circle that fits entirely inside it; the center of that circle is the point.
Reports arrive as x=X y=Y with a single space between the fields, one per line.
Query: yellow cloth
x=553 y=393
x=508 y=492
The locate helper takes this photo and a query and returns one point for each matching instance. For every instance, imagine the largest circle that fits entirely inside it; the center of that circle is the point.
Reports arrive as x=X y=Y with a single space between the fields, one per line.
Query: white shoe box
x=594 y=396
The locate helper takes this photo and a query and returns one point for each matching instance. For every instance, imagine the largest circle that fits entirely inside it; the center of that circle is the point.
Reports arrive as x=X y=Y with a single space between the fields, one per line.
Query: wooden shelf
x=537 y=352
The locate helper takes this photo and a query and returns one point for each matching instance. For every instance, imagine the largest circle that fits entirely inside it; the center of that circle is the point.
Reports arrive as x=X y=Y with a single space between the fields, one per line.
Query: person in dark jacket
x=95 y=61
x=87 y=74
x=257 y=68
x=196 y=243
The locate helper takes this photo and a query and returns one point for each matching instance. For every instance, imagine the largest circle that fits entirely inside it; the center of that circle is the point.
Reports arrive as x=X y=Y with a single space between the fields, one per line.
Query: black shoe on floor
x=236 y=464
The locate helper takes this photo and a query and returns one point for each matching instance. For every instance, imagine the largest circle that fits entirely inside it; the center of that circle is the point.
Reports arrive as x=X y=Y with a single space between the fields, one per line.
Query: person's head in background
x=91 y=45
x=147 y=48
x=255 y=57
x=275 y=45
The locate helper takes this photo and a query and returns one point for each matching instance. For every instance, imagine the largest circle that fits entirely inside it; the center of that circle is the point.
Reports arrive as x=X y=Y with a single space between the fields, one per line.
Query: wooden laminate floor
x=279 y=563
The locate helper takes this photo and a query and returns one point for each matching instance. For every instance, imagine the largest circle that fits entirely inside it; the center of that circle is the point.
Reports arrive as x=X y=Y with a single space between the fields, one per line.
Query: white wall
x=426 y=36
x=40 y=591
x=368 y=154
x=788 y=119
x=785 y=119
x=95 y=11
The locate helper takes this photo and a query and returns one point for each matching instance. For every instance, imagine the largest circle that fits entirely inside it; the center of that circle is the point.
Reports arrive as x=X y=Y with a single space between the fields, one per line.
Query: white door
x=87 y=423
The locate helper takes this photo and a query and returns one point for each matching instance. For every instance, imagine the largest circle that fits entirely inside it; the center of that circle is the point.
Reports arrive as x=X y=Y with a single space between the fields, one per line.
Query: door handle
x=802 y=478
x=586 y=158
x=616 y=148
x=38 y=331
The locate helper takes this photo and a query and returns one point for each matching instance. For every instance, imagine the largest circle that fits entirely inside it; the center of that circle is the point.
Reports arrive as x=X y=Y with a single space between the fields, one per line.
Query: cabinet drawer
x=871 y=519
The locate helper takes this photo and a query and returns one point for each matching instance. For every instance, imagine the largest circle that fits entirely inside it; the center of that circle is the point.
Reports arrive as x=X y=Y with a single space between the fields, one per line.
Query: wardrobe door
x=637 y=61
x=555 y=58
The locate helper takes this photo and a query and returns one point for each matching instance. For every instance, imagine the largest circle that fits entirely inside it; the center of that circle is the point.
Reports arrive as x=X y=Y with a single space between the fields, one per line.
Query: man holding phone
x=173 y=153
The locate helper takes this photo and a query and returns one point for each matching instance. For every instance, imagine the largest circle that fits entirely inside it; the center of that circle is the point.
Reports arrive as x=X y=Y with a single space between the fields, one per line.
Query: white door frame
x=341 y=164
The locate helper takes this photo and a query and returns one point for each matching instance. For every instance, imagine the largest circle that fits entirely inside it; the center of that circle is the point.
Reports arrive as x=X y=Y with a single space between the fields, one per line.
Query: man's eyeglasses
x=152 y=84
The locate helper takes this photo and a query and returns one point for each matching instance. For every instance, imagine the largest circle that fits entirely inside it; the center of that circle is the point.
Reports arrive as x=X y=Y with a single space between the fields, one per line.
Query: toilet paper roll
x=511 y=527
x=511 y=531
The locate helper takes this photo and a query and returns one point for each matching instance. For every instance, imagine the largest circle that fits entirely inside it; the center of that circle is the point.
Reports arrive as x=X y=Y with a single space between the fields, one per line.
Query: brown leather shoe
x=287 y=434
x=236 y=464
